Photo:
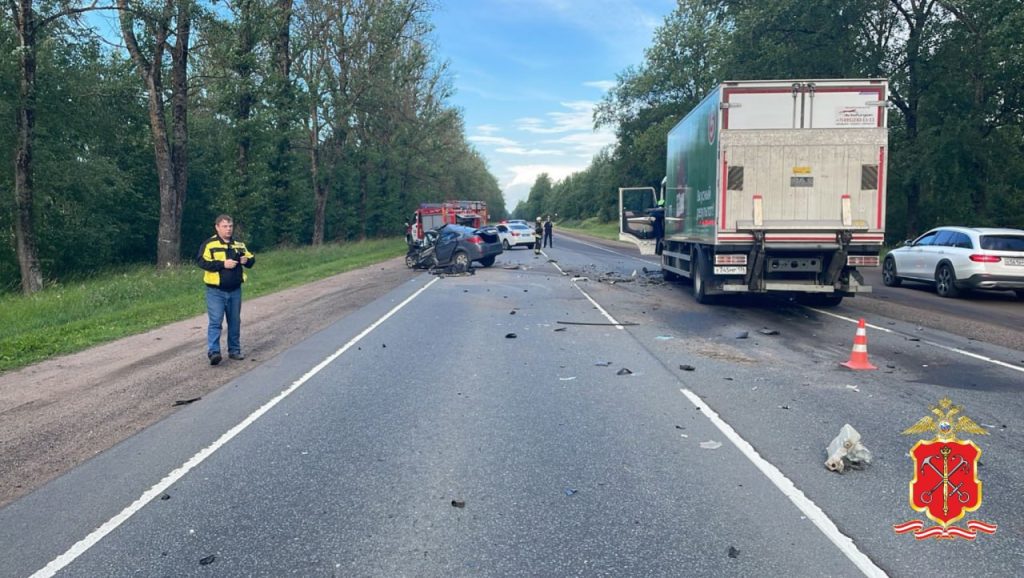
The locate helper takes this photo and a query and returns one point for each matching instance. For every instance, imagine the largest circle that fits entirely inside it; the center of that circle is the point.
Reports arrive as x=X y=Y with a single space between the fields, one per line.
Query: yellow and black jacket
x=211 y=258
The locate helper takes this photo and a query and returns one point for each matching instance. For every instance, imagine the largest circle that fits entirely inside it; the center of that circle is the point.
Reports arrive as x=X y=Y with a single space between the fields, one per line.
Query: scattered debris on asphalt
x=458 y=503
x=570 y=491
x=624 y=371
x=187 y=401
x=846 y=451
x=767 y=331
x=742 y=335
x=603 y=363
x=207 y=561
x=853 y=387
x=566 y=378
x=734 y=552
x=664 y=337
x=711 y=445
x=685 y=367
x=560 y=329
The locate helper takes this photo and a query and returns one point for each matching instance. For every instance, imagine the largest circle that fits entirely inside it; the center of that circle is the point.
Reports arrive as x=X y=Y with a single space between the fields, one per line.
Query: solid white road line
x=925 y=341
x=789 y=489
x=98 y=534
x=776 y=477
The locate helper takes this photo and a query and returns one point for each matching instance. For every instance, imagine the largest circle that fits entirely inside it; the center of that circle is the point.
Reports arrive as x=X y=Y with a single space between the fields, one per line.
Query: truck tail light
x=985 y=258
x=862 y=260
x=735 y=259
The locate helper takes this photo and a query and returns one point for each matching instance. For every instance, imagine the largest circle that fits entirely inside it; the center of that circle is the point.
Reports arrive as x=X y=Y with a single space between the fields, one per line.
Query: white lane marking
x=599 y=308
x=589 y=298
x=83 y=545
x=789 y=489
x=774 y=475
x=925 y=341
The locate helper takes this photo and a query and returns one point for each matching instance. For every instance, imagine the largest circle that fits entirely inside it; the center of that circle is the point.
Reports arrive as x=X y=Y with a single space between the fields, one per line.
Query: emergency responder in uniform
x=538 y=235
x=658 y=224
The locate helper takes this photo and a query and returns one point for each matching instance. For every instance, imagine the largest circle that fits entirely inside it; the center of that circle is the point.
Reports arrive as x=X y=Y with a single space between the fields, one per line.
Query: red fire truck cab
x=433 y=215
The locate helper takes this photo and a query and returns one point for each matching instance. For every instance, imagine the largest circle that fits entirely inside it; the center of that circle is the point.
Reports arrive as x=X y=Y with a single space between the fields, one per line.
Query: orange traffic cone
x=859 y=355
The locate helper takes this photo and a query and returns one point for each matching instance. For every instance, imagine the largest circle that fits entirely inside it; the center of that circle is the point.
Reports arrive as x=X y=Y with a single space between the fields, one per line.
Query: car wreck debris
x=846 y=451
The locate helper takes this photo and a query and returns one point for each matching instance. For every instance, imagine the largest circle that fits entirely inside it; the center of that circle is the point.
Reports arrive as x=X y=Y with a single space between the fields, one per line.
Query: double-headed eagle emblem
x=943 y=423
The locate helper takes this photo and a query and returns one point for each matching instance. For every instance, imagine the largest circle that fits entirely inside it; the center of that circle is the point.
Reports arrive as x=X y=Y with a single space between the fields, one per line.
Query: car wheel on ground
x=889 y=275
x=505 y=245
x=461 y=261
x=945 y=281
x=410 y=260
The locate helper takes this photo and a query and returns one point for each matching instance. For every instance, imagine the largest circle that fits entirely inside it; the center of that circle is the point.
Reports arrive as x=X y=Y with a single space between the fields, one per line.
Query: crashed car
x=455 y=246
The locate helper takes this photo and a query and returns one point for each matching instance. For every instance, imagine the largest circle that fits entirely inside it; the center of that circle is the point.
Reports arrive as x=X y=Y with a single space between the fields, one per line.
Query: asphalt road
x=418 y=437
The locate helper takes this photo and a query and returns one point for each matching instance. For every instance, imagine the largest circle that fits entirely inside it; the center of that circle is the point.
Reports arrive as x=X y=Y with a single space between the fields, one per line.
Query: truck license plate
x=1015 y=261
x=730 y=270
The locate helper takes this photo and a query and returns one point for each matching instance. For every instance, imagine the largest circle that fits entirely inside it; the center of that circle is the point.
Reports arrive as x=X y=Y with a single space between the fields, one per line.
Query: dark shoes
x=237 y=356
x=214 y=357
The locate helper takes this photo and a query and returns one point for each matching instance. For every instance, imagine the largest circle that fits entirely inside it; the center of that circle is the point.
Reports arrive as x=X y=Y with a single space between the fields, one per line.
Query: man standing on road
x=538 y=234
x=222 y=259
x=658 y=225
x=547 y=232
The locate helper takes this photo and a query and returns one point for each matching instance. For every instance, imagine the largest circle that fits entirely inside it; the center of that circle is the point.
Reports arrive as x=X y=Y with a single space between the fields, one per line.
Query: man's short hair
x=221 y=218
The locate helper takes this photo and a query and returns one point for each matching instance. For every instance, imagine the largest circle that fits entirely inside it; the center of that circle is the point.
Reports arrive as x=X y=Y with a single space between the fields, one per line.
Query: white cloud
x=525 y=151
x=602 y=85
x=579 y=118
x=492 y=140
x=488 y=129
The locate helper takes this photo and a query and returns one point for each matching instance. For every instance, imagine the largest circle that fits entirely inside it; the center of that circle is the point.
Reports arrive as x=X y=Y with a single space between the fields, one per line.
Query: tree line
x=956 y=74
x=132 y=124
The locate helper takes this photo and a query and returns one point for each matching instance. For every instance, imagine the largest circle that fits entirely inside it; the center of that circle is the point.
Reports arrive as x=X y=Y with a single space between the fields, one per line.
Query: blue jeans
x=218 y=305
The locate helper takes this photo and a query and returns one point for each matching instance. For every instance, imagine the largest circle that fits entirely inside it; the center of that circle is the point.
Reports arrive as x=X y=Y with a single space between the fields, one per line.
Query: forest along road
x=560 y=417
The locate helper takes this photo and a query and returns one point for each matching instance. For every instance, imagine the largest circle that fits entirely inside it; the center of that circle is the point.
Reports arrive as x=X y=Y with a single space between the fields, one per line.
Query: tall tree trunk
x=319 y=191
x=24 y=224
x=175 y=206
x=246 y=98
x=171 y=159
x=280 y=165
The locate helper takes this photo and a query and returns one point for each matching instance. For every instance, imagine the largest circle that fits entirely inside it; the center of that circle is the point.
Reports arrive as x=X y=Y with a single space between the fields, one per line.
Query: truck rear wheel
x=700 y=294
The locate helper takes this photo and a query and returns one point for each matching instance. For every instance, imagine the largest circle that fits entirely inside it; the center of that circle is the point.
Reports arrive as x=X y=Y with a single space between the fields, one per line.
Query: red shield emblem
x=946 y=484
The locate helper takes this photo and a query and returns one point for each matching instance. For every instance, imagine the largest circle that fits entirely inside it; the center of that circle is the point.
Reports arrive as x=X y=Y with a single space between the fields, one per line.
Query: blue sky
x=529 y=72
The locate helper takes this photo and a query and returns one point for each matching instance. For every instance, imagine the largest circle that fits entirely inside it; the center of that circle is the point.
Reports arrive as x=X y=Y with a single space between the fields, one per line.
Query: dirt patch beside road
x=57 y=414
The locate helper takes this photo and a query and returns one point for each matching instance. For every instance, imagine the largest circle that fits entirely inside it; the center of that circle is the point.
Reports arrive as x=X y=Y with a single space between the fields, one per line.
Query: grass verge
x=593 y=227
x=70 y=317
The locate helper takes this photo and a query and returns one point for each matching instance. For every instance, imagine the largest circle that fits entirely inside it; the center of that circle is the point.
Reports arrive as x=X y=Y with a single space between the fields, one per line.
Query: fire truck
x=433 y=215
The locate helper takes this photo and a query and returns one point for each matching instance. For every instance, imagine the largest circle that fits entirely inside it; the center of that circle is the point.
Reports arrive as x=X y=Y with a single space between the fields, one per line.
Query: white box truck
x=773 y=187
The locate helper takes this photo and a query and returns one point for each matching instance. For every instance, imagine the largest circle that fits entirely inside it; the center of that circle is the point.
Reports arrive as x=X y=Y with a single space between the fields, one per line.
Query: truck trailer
x=776 y=187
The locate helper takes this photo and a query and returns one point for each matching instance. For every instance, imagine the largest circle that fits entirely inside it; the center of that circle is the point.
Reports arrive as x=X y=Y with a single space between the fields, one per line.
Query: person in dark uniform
x=548 y=225
x=538 y=235
x=658 y=224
